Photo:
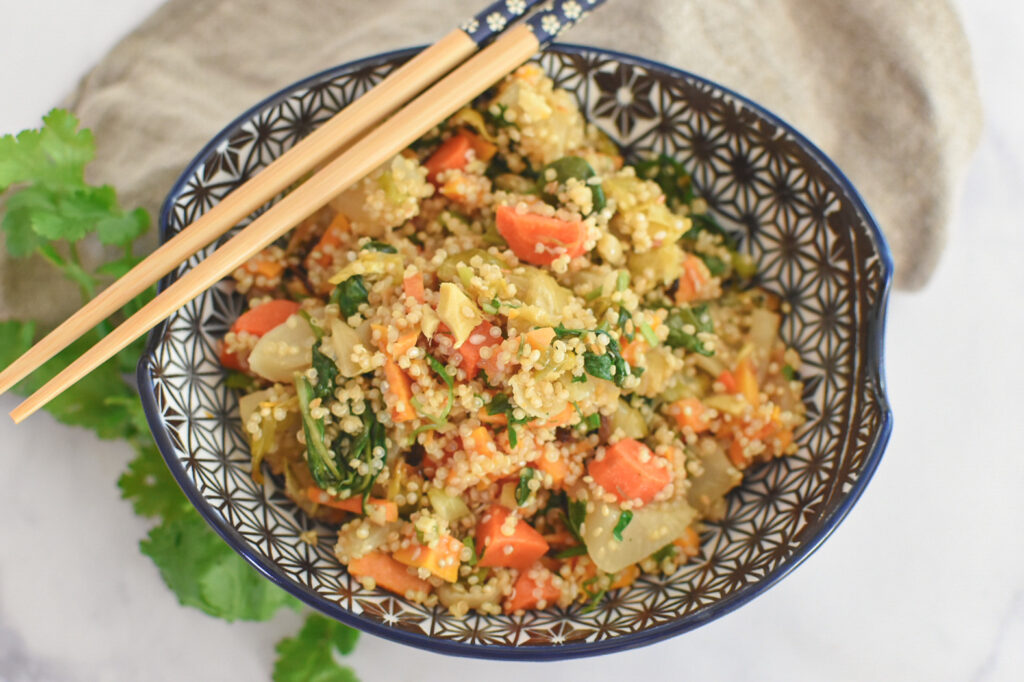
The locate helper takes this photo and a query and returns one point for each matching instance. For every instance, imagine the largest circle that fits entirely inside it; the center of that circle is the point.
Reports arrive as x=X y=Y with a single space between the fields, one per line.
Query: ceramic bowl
x=791 y=208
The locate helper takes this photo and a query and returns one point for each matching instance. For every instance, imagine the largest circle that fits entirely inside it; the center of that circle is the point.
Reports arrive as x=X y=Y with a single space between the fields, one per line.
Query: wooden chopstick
x=510 y=50
x=315 y=149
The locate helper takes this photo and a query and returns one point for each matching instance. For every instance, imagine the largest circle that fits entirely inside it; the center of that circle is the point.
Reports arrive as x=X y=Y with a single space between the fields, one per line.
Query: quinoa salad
x=515 y=370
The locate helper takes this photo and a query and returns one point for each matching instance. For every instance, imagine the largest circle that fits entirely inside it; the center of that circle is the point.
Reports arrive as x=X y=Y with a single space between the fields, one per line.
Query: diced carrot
x=412 y=285
x=632 y=349
x=331 y=238
x=785 y=437
x=485 y=149
x=560 y=419
x=626 y=577
x=540 y=338
x=451 y=154
x=693 y=280
x=401 y=345
x=470 y=350
x=267 y=268
x=265 y=317
x=525 y=232
x=518 y=550
x=442 y=560
x=352 y=504
x=630 y=471
x=746 y=381
x=531 y=588
x=558 y=469
x=689 y=542
x=491 y=419
x=400 y=390
x=738 y=458
x=480 y=441
x=388 y=573
x=690 y=412
x=727 y=380
x=230 y=360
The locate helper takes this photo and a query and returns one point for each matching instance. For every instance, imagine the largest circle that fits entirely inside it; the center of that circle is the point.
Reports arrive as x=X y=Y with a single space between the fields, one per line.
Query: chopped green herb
x=649 y=335
x=523 y=491
x=679 y=319
x=570 y=167
x=716 y=266
x=318 y=333
x=240 y=381
x=788 y=372
x=609 y=365
x=666 y=552
x=379 y=246
x=569 y=552
x=470 y=542
x=671 y=176
x=622 y=281
x=501 y=404
x=350 y=294
x=311 y=655
x=498 y=120
x=442 y=419
x=624 y=518
x=574 y=518
x=326 y=373
x=595 y=596
x=594 y=295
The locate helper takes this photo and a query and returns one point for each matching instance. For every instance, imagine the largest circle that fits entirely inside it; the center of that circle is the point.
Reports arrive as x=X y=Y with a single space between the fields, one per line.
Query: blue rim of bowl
x=874 y=361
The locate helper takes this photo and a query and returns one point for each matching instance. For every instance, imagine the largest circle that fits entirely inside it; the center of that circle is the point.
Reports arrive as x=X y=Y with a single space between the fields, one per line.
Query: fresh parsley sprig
x=48 y=209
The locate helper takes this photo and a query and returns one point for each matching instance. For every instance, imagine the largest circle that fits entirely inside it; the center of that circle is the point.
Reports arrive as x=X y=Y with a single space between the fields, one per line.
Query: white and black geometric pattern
x=817 y=246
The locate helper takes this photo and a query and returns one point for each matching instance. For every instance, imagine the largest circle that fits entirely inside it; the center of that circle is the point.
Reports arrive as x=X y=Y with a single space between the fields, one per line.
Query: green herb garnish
x=523 y=491
x=381 y=247
x=502 y=404
x=570 y=167
x=678 y=337
x=666 y=552
x=311 y=655
x=609 y=365
x=326 y=374
x=624 y=518
x=350 y=294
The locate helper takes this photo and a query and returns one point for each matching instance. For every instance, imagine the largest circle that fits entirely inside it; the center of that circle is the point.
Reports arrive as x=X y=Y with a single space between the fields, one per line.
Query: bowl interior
x=817 y=246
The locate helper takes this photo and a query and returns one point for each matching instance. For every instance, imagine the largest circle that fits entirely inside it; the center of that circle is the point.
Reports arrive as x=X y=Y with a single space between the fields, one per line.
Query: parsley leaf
x=350 y=294
x=151 y=488
x=311 y=656
x=15 y=338
x=380 y=247
x=788 y=373
x=575 y=516
x=204 y=572
x=679 y=319
x=326 y=374
x=502 y=404
x=624 y=518
x=609 y=365
x=666 y=552
x=671 y=176
x=523 y=487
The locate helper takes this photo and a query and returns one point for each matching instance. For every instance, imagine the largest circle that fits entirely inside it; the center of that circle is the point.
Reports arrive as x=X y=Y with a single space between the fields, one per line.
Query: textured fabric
x=885 y=88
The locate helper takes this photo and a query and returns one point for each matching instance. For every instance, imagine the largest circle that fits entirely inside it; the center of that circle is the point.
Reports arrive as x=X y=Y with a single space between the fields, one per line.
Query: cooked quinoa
x=515 y=371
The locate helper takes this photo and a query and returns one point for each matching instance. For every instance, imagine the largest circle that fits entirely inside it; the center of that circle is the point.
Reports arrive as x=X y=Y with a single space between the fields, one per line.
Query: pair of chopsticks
x=508 y=45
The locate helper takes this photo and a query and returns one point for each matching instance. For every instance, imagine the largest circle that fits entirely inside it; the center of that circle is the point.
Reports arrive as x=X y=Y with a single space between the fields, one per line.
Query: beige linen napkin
x=885 y=88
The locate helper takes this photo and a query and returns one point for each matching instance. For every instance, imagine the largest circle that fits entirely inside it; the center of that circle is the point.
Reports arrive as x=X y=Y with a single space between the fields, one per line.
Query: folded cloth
x=885 y=88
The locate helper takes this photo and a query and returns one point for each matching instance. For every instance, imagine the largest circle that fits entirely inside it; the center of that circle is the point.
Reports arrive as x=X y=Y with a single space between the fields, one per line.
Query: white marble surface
x=923 y=581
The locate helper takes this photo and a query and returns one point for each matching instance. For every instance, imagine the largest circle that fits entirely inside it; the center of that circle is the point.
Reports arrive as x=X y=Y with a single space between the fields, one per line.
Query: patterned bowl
x=792 y=209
